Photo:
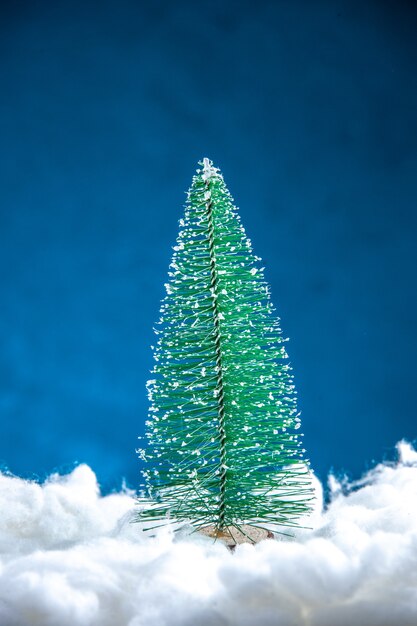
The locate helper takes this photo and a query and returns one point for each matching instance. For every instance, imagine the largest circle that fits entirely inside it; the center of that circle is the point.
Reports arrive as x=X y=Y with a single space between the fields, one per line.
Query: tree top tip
x=209 y=171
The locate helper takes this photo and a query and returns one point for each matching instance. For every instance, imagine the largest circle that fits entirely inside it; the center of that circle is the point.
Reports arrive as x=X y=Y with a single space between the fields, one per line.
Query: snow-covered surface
x=71 y=557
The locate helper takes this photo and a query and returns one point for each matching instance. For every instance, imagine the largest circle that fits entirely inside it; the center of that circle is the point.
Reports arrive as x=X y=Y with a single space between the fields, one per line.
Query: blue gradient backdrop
x=309 y=108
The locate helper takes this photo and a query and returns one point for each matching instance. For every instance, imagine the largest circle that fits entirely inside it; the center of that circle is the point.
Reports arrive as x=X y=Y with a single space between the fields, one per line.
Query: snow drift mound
x=70 y=557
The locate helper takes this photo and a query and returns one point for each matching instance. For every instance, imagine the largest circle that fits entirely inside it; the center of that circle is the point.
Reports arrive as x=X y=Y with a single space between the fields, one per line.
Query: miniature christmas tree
x=223 y=448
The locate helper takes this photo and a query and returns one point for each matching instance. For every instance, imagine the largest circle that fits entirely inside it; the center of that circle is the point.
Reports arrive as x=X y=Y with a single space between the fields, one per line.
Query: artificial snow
x=71 y=557
x=209 y=171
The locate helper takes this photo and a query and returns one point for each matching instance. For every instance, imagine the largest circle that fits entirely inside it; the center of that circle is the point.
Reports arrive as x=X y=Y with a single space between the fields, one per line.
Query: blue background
x=309 y=108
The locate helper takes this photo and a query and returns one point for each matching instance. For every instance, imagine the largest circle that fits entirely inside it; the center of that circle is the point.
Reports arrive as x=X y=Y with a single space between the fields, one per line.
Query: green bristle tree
x=222 y=439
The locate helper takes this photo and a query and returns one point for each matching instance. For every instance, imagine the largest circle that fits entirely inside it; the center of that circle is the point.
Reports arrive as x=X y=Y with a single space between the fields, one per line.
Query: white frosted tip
x=209 y=171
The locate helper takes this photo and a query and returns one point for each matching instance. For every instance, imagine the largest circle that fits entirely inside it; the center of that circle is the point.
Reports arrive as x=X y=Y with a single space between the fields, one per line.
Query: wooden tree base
x=232 y=537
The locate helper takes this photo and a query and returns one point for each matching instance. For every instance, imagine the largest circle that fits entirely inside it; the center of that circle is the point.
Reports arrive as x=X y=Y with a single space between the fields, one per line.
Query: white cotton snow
x=70 y=557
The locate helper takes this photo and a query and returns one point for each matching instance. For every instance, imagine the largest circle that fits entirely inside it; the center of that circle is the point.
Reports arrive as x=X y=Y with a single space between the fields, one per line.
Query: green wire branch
x=223 y=446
